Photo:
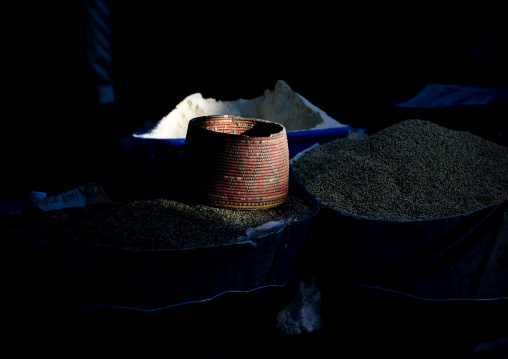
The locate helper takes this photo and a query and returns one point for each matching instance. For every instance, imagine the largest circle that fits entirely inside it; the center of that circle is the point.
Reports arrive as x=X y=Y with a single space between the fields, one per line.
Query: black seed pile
x=154 y=224
x=414 y=169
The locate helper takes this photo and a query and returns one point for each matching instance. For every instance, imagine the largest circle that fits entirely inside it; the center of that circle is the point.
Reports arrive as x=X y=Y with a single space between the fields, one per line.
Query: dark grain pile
x=411 y=170
x=152 y=224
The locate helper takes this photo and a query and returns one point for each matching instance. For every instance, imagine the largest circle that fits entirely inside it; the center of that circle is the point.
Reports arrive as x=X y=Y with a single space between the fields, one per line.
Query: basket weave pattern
x=236 y=162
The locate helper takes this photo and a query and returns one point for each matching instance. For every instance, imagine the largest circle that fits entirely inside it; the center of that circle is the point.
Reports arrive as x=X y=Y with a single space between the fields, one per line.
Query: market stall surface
x=56 y=141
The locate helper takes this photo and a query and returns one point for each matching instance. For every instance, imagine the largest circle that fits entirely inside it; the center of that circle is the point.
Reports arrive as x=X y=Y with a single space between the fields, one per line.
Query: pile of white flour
x=282 y=105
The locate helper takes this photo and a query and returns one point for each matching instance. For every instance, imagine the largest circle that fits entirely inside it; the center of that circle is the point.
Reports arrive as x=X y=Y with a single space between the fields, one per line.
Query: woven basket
x=236 y=162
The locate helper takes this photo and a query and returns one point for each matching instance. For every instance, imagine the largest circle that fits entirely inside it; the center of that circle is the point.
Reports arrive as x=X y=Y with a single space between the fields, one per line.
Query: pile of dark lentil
x=414 y=169
x=152 y=224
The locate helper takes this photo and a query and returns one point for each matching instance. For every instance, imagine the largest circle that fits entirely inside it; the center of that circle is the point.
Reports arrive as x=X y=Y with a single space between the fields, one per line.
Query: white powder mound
x=282 y=105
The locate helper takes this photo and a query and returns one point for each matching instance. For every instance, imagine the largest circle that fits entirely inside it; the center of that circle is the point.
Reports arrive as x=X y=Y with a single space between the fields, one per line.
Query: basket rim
x=194 y=121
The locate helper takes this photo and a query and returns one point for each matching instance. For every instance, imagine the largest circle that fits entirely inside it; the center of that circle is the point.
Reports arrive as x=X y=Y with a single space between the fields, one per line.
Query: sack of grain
x=415 y=207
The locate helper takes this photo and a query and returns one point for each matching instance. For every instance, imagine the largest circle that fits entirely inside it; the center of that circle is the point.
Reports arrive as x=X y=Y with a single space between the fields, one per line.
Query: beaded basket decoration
x=236 y=162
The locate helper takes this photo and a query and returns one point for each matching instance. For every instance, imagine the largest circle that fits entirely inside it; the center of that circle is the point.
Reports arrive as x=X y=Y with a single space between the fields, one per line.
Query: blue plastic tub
x=297 y=140
x=300 y=140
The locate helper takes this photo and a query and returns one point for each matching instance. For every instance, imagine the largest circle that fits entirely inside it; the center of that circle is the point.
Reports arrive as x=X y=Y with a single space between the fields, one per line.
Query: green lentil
x=414 y=169
x=153 y=224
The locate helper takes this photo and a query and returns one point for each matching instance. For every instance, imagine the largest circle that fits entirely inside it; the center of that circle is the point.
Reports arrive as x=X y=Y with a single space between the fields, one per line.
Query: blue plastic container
x=300 y=140
x=297 y=141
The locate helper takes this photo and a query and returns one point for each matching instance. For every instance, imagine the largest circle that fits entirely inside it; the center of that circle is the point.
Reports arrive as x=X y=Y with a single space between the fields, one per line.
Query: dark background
x=353 y=62
x=350 y=61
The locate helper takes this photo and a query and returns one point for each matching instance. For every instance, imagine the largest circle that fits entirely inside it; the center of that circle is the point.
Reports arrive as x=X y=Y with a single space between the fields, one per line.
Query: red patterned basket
x=236 y=162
